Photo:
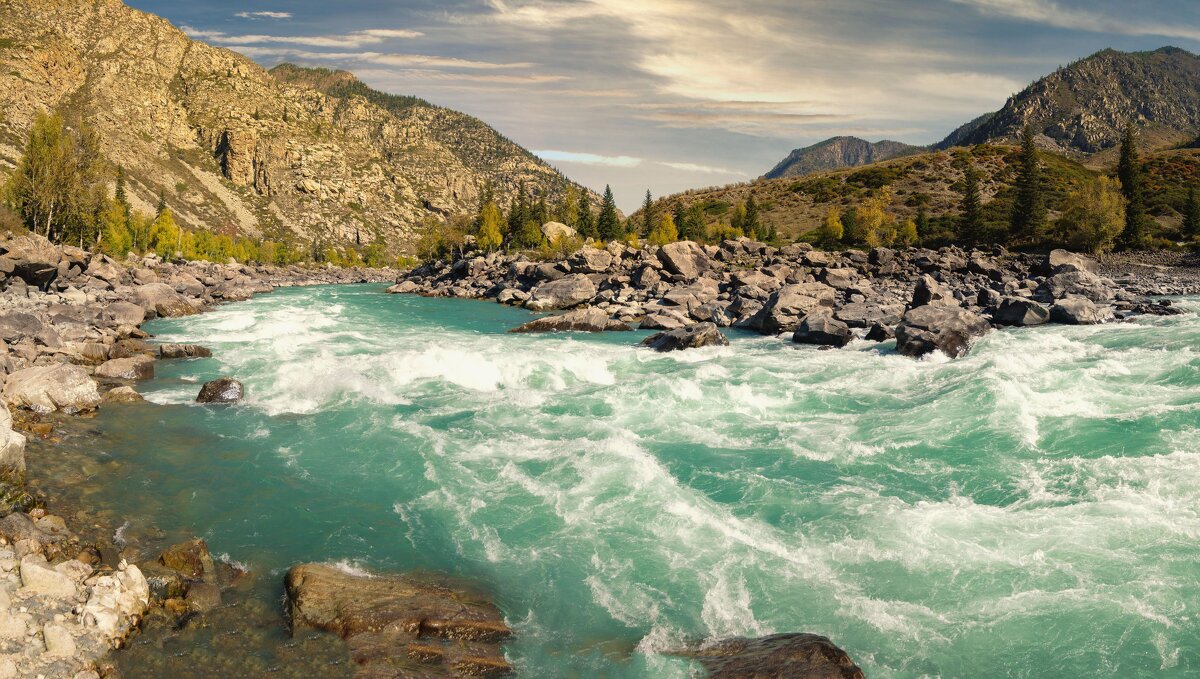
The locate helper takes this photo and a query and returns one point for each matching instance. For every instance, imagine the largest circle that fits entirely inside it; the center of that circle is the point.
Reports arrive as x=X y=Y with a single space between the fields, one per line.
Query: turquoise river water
x=1032 y=510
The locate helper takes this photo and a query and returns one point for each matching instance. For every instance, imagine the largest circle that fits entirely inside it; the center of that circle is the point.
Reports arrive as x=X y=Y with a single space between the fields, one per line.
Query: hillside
x=1083 y=108
x=838 y=153
x=301 y=155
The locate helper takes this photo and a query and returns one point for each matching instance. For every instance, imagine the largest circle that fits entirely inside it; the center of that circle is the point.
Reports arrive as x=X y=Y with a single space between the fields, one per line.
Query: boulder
x=822 y=329
x=587 y=319
x=1079 y=283
x=779 y=656
x=839 y=279
x=785 y=308
x=59 y=642
x=664 y=319
x=34 y=259
x=930 y=291
x=124 y=313
x=563 y=293
x=880 y=332
x=12 y=449
x=1059 y=261
x=221 y=390
x=403 y=288
x=433 y=625
x=1020 y=311
x=691 y=337
x=48 y=388
x=162 y=300
x=117 y=601
x=173 y=351
x=557 y=231
x=16 y=326
x=950 y=330
x=1075 y=310
x=190 y=559
x=591 y=260
x=124 y=394
x=684 y=258
x=132 y=368
x=38 y=577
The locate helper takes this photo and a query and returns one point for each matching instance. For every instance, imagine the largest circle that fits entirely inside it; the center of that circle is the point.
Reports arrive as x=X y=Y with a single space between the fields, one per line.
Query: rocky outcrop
x=837 y=153
x=176 y=351
x=779 y=656
x=691 y=337
x=950 y=330
x=1074 y=310
x=563 y=293
x=579 y=320
x=400 y=626
x=48 y=388
x=221 y=390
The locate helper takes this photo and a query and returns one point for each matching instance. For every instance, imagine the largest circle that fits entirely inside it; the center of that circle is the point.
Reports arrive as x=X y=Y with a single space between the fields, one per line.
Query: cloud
x=587 y=158
x=264 y=15
x=1058 y=15
x=353 y=40
x=704 y=169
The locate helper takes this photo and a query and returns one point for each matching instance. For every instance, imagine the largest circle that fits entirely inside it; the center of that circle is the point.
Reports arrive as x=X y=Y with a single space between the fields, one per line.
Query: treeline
x=60 y=190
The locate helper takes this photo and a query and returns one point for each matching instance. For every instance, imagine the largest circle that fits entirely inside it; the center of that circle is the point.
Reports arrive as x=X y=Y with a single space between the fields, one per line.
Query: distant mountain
x=838 y=153
x=1082 y=108
x=304 y=155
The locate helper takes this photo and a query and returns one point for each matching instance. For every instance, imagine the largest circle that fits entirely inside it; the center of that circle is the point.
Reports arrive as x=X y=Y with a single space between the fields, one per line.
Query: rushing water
x=1032 y=510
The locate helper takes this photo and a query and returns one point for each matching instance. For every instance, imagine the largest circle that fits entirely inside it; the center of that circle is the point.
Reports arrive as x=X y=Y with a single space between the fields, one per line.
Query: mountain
x=837 y=153
x=303 y=155
x=1083 y=108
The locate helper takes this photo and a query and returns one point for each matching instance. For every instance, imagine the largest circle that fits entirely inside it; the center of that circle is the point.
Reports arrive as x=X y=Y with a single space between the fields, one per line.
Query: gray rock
x=1074 y=310
x=822 y=329
x=664 y=319
x=1077 y=282
x=779 y=656
x=1020 y=311
x=221 y=390
x=684 y=258
x=785 y=308
x=1059 y=261
x=173 y=351
x=46 y=389
x=38 y=577
x=930 y=291
x=564 y=293
x=589 y=319
x=16 y=326
x=691 y=337
x=950 y=330
x=132 y=368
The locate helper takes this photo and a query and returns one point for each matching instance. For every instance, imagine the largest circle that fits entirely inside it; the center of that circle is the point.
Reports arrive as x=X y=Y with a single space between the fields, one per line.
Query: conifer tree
x=970 y=221
x=162 y=204
x=1029 y=205
x=567 y=210
x=922 y=221
x=1191 y=216
x=648 y=222
x=121 y=196
x=695 y=225
x=609 y=223
x=587 y=221
x=1131 y=174
x=751 y=223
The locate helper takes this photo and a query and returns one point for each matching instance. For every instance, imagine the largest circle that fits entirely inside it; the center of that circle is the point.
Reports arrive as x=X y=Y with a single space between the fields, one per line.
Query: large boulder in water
x=172 y=351
x=47 y=388
x=1020 y=311
x=779 y=656
x=133 y=368
x=161 y=299
x=563 y=293
x=1075 y=310
x=789 y=305
x=950 y=330
x=400 y=626
x=221 y=390
x=589 y=319
x=691 y=337
x=930 y=291
x=822 y=329
x=1081 y=283
x=684 y=258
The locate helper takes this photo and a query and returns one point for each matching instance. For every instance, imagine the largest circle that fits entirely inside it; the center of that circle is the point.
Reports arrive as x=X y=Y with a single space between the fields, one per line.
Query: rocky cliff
x=309 y=156
x=838 y=153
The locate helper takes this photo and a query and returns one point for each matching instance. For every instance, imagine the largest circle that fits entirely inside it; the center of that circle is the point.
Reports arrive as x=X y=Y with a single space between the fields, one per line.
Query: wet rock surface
x=690 y=337
x=779 y=656
x=221 y=390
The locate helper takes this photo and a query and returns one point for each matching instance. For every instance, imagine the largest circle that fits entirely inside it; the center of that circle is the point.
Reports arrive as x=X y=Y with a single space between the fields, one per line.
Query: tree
x=541 y=212
x=567 y=210
x=695 y=225
x=908 y=232
x=665 y=232
x=1191 y=216
x=587 y=221
x=1093 y=216
x=165 y=235
x=970 y=221
x=609 y=223
x=832 y=229
x=162 y=204
x=121 y=196
x=751 y=223
x=529 y=235
x=738 y=221
x=873 y=222
x=648 y=214
x=922 y=222
x=518 y=212
x=56 y=186
x=1029 y=205
x=490 y=237
x=115 y=237
x=1133 y=184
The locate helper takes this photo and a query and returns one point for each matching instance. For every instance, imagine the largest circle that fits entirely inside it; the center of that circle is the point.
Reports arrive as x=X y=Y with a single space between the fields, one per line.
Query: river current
x=1032 y=510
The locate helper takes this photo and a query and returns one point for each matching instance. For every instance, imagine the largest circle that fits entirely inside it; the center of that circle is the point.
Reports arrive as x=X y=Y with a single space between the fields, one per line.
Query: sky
x=666 y=95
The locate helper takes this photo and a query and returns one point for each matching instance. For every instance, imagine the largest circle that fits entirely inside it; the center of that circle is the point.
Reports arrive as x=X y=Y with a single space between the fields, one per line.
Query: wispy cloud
x=413 y=61
x=1061 y=15
x=587 y=158
x=702 y=169
x=353 y=40
x=264 y=15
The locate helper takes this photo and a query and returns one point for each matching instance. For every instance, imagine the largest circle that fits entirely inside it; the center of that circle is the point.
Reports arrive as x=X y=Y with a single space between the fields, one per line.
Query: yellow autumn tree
x=832 y=229
x=908 y=232
x=490 y=235
x=165 y=235
x=665 y=232
x=874 y=223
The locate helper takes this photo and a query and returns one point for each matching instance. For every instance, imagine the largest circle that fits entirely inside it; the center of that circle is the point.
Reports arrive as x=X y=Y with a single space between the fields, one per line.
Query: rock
x=881 y=256
x=124 y=313
x=39 y=578
x=116 y=602
x=822 y=329
x=786 y=308
x=389 y=622
x=779 y=656
x=691 y=337
x=59 y=642
x=1075 y=310
x=203 y=596
x=948 y=329
x=1059 y=261
x=930 y=291
x=1020 y=311
x=173 y=351
x=45 y=389
x=563 y=293
x=591 y=260
x=839 y=279
x=191 y=559
x=588 y=319
x=1079 y=283
x=133 y=368
x=162 y=300
x=221 y=390
x=16 y=326
x=684 y=258
x=557 y=231
x=880 y=332
x=664 y=319
x=128 y=348
x=403 y=288
x=12 y=449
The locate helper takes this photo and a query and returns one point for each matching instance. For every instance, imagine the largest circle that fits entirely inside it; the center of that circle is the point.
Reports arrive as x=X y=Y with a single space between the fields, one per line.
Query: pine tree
x=609 y=223
x=121 y=197
x=1029 y=205
x=922 y=222
x=162 y=204
x=648 y=223
x=587 y=221
x=1191 y=216
x=1130 y=172
x=970 y=221
x=489 y=236
x=751 y=224
x=695 y=225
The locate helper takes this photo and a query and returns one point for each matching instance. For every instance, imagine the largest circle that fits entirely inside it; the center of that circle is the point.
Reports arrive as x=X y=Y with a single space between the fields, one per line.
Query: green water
x=1032 y=510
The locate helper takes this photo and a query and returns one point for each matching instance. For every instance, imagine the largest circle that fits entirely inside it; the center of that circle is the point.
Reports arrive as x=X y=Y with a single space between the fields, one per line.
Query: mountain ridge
x=837 y=153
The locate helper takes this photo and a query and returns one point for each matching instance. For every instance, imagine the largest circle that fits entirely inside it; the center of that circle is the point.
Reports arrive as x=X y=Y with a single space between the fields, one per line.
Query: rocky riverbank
x=71 y=343
x=927 y=299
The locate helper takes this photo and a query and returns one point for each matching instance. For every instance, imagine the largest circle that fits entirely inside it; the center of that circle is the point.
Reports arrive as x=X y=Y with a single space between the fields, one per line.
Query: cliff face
x=1084 y=107
x=234 y=148
x=838 y=153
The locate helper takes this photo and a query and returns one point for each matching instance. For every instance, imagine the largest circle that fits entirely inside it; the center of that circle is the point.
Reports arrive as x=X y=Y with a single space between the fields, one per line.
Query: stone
x=162 y=300
x=203 y=596
x=1059 y=261
x=1019 y=311
x=1076 y=310
x=116 y=602
x=132 y=368
x=557 y=231
x=822 y=329
x=221 y=390
x=563 y=293
x=39 y=578
x=839 y=279
x=591 y=260
x=929 y=328
x=191 y=559
x=785 y=308
x=664 y=319
x=1079 y=283
x=48 y=388
x=879 y=332
x=124 y=313
x=930 y=291
x=588 y=319
x=684 y=258
x=691 y=337
x=174 y=351
x=779 y=656
x=12 y=449
x=59 y=642
x=16 y=326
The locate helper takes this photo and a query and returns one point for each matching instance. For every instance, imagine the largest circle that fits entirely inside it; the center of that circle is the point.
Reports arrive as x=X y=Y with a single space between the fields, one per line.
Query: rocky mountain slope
x=1082 y=108
x=306 y=156
x=837 y=153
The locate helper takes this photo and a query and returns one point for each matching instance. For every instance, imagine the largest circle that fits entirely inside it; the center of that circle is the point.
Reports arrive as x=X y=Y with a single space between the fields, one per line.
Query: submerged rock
x=691 y=337
x=400 y=626
x=589 y=319
x=171 y=351
x=779 y=656
x=932 y=328
x=221 y=390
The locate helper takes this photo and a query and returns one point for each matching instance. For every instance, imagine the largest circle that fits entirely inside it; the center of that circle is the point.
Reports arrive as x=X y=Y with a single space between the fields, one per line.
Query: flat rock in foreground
x=691 y=337
x=779 y=656
x=589 y=319
x=401 y=627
